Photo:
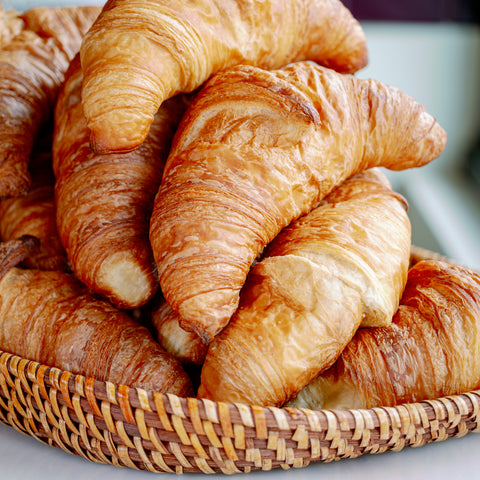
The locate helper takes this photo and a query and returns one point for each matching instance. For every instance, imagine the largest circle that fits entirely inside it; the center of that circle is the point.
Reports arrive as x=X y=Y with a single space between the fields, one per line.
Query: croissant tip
x=102 y=147
x=359 y=62
x=203 y=333
x=440 y=137
x=105 y=138
x=15 y=185
x=16 y=251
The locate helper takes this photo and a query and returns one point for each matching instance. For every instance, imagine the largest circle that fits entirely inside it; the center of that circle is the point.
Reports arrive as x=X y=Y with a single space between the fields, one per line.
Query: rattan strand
x=128 y=427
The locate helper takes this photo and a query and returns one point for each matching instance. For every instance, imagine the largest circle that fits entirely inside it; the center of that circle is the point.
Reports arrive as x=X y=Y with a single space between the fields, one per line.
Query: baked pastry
x=188 y=347
x=104 y=202
x=34 y=213
x=51 y=318
x=10 y=25
x=342 y=265
x=66 y=26
x=32 y=67
x=138 y=54
x=256 y=150
x=431 y=350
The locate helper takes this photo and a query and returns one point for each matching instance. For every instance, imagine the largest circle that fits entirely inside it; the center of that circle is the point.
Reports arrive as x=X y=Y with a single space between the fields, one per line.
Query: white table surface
x=25 y=458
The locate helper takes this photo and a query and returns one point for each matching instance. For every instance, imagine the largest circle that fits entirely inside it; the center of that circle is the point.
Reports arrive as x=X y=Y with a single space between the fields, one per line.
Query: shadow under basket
x=130 y=427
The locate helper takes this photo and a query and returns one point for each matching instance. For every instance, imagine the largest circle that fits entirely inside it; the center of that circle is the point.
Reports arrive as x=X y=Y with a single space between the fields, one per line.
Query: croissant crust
x=343 y=264
x=104 y=202
x=51 y=318
x=140 y=53
x=34 y=213
x=431 y=350
x=32 y=67
x=257 y=150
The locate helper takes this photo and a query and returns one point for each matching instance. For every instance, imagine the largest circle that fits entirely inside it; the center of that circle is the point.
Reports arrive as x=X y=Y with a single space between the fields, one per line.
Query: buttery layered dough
x=52 y=318
x=257 y=150
x=10 y=25
x=139 y=53
x=104 y=202
x=282 y=254
x=342 y=265
x=188 y=347
x=35 y=212
x=33 y=62
x=431 y=350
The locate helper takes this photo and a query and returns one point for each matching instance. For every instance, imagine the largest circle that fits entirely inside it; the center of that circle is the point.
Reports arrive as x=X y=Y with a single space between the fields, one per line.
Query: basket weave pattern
x=131 y=427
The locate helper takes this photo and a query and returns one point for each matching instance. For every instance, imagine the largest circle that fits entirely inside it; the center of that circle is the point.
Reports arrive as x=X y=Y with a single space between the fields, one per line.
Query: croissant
x=32 y=68
x=34 y=213
x=104 y=202
x=137 y=54
x=188 y=347
x=431 y=350
x=342 y=265
x=10 y=25
x=51 y=318
x=256 y=150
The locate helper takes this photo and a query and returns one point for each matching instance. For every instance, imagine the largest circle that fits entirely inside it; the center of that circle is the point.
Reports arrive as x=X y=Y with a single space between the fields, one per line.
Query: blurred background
x=430 y=49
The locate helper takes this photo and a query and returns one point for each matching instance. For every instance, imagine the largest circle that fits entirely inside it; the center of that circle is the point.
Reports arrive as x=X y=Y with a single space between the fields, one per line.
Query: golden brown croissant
x=10 y=25
x=140 y=53
x=104 y=202
x=432 y=348
x=188 y=347
x=51 y=318
x=32 y=68
x=34 y=213
x=342 y=264
x=256 y=150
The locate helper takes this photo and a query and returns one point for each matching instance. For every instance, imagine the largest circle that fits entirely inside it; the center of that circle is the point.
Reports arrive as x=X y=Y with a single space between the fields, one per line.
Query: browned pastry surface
x=32 y=67
x=10 y=25
x=188 y=347
x=343 y=264
x=51 y=318
x=34 y=213
x=431 y=350
x=139 y=53
x=256 y=150
x=104 y=202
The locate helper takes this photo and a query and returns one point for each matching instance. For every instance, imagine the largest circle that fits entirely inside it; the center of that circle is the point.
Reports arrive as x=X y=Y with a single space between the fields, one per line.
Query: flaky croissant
x=51 y=318
x=104 y=202
x=343 y=264
x=32 y=67
x=188 y=347
x=10 y=25
x=140 y=53
x=432 y=348
x=34 y=213
x=256 y=150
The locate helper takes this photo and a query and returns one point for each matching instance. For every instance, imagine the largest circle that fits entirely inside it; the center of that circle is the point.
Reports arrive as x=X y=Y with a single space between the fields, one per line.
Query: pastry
x=431 y=350
x=10 y=25
x=257 y=150
x=341 y=266
x=138 y=54
x=32 y=67
x=51 y=318
x=104 y=202
x=34 y=213
x=188 y=347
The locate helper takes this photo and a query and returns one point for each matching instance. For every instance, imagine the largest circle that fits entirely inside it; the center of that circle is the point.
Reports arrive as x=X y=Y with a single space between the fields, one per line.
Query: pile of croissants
x=191 y=203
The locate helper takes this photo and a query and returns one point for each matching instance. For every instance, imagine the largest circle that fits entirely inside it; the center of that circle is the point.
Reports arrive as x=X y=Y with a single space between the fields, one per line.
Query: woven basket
x=131 y=427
